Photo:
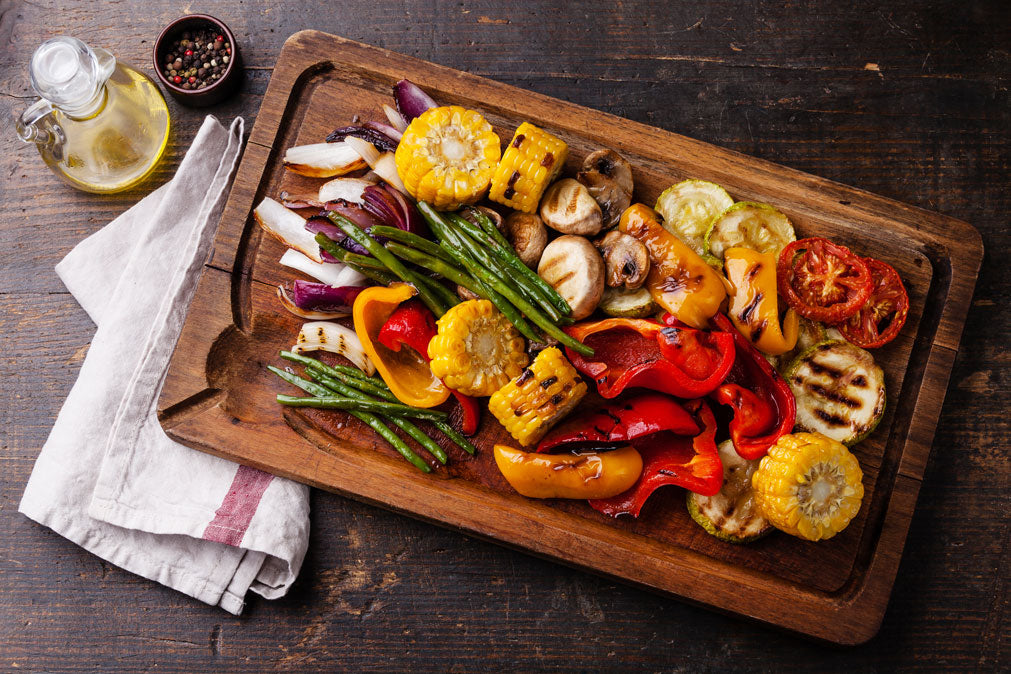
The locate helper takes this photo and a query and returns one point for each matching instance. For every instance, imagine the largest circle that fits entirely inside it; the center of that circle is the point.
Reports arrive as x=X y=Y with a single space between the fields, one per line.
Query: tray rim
x=859 y=610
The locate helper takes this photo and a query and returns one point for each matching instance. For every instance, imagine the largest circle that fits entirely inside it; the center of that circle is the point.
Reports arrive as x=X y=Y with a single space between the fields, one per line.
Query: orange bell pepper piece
x=406 y=371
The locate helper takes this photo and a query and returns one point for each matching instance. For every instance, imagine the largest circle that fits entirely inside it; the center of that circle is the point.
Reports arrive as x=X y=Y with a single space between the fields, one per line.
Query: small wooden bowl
x=211 y=94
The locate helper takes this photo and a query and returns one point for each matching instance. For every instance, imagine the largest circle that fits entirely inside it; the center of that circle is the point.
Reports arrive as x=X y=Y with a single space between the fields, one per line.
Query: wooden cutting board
x=218 y=396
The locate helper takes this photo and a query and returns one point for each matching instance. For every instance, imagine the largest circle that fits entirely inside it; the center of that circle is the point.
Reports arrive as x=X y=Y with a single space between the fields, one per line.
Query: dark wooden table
x=907 y=101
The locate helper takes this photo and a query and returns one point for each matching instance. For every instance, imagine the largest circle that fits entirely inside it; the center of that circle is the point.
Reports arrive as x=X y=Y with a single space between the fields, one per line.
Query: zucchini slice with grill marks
x=623 y=303
x=750 y=225
x=732 y=515
x=688 y=209
x=839 y=389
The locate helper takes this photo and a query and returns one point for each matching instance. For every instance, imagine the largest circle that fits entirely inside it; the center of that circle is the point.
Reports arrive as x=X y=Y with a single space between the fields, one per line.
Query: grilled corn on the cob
x=809 y=485
x=447 y=156
x=533 y=159
x=477 y=350
x=539 y=397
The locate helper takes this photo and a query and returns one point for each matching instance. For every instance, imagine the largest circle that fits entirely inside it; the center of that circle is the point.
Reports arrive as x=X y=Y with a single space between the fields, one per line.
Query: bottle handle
x=34 y=127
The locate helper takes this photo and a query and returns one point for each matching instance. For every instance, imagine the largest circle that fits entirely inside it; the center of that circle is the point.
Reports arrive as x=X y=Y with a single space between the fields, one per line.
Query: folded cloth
x=108 y=478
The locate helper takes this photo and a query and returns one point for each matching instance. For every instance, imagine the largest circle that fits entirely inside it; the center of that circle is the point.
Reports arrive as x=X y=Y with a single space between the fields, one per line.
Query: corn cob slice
x=809 y=485
x=447 y=157
x=532 y=161
x=477 y=350
x=539 y=397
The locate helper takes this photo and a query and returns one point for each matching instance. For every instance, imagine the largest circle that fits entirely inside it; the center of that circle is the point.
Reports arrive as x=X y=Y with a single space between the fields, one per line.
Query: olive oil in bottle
x=100 y=125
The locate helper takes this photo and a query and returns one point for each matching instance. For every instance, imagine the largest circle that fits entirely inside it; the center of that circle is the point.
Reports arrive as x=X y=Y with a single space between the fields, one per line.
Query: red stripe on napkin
x=236 y=512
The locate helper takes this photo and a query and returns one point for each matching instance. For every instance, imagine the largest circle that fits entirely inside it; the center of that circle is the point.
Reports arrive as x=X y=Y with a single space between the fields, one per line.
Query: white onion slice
x=351 y=277
x=335 y=338
x=325 y=272
x=288 y=227
x=348 y=189
x=323 y=160
x=290 y=305
x=396 y=119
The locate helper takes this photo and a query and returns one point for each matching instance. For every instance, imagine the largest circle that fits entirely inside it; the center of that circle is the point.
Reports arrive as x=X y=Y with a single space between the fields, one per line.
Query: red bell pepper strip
x=413 y=324
x=618 y=423
x=764 y=407
x=470 y=413
x=670 y=459
x=629 y=352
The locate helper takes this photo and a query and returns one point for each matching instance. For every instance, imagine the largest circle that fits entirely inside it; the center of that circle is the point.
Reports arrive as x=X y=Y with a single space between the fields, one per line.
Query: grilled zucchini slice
x=839 y=389
x=688 y=209
x=623 y=303
x=809 y=333
x=750 y=225
x=732 y=515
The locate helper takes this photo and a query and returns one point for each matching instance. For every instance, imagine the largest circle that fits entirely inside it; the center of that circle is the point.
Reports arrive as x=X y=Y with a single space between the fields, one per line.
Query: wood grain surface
x=900 y=100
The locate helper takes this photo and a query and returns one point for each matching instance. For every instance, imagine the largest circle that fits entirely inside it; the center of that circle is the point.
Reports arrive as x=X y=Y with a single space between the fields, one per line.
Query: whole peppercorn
x=177 y=79
x=197 y=59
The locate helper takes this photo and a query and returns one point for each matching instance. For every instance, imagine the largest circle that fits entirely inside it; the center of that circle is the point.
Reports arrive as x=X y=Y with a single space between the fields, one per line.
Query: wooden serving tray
x=218 y=396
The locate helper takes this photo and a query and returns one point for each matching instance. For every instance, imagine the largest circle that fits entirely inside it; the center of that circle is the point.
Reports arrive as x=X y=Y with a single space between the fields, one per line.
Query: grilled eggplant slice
x=732 y=515
x=839 y=389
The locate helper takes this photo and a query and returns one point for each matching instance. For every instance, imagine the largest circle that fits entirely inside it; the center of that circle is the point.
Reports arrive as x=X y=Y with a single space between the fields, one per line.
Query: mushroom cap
x=626 y=260
x=612 y=165
x=528 y=236
x=575 y=269
x=569 y=208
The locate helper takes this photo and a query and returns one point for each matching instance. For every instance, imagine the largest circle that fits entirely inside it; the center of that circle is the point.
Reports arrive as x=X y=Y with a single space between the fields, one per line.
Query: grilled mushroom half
x=626 y=260
x=608 y=178
x=567 y=207
x=574 y=268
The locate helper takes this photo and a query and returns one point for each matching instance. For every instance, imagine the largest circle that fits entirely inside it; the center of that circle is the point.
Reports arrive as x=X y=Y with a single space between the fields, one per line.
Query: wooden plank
x=835 y=591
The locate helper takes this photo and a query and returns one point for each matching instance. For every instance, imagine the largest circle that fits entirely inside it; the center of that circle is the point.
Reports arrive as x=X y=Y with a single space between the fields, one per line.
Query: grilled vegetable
x=822 y=280
x=628 y=303
x=382 y=164
x=533 y=402
x=732 y=514
x=476 y=351
x=577 y=476
x=881 y=318
x=405 y=371
x=626 y=260
x=608 y=178
x=689 y=208
x=840 y=391
x=528 y=236
x=568 y=208
x=754 y=308
x=749 y=225
x=679 y=280
x=447 y=156
x=809 y=333
x=348 y=189
x=575 y=270
x=529 y=164
x=335 y=338
x=288 y=227
x=323 y=160
x=809 y=486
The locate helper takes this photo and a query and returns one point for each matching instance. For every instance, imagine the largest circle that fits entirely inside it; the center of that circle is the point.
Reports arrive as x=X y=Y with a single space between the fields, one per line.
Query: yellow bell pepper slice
x=754 y=308
x=406 y=372
x=578 y=476
x=679 y=280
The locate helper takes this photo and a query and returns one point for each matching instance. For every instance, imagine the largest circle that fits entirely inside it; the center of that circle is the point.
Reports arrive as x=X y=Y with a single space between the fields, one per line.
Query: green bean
x=412 y=240
x=405 y=425
x=462 y=241
x=468 y=281
x=505 y=251
x=348 y=404
x=488 y=253
x=387 y=258
x=374 y=385
x=370 y=420
x=489 y=227
x=443 y=293
x=332 y=370
x=381 y=277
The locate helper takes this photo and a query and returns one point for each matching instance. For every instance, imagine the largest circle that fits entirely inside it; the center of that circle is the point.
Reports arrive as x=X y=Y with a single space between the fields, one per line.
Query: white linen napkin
x=108 y=478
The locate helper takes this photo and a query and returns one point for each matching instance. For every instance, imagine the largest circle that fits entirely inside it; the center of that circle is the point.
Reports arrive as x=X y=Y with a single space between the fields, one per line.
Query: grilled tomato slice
x=881 y=318
x=822 y=280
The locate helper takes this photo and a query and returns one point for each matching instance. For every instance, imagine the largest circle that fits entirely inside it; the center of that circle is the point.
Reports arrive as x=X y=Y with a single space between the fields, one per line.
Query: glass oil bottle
x=100 y=125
